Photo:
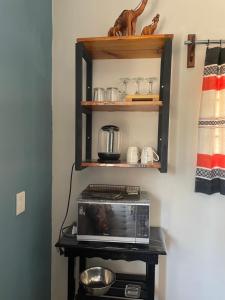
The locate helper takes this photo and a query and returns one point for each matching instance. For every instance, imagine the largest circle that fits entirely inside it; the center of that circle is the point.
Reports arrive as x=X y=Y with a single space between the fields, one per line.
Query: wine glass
x=138 y=81
x=123 y=91
x=150 y=81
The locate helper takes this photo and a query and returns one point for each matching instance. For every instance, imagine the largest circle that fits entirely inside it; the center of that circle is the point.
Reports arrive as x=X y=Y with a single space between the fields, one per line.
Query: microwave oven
x=121 y=221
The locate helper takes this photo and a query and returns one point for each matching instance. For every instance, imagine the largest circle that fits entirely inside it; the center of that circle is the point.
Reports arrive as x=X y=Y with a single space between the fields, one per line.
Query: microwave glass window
x=107 y=220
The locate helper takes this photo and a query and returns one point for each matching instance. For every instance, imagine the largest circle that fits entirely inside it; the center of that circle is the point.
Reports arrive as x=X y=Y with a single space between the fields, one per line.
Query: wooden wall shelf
x=95 y=163
x=88 y=49
x=122 y=106
x=148 y=46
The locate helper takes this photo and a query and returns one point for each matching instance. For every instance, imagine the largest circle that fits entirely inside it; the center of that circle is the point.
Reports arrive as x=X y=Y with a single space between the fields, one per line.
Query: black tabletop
x=156 y=246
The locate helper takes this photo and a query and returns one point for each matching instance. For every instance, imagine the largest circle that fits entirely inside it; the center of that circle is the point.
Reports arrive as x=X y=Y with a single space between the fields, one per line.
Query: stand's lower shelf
x=95 y=163
x=117 y=291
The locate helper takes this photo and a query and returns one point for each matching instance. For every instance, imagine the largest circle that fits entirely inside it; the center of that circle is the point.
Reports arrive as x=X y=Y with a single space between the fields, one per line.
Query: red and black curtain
x=210 y=173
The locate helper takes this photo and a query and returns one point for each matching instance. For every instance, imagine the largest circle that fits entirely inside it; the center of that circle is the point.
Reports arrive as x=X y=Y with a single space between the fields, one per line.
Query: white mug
x=133 y=155
x=148 y=155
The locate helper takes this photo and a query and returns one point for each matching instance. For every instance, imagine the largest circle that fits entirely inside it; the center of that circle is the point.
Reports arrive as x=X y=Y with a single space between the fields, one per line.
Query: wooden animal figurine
x=126 y=22
x=150 y=29
x=114 y=31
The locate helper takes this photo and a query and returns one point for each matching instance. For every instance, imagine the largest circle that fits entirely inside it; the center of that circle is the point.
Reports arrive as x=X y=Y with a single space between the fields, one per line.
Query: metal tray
x=111 y=192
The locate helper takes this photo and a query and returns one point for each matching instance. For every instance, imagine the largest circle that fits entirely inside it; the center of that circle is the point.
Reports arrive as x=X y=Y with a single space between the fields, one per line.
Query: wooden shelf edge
x=122 y=103
x=125 y=47
x=123 y=106
x=126 y=38
x=93 y=164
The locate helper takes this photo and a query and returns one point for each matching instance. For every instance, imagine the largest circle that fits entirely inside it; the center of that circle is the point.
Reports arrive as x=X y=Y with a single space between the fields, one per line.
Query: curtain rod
x=192 y=42
x=204 y=42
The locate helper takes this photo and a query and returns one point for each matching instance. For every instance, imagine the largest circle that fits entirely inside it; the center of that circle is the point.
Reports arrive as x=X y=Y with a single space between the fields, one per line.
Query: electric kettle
x=109 y=144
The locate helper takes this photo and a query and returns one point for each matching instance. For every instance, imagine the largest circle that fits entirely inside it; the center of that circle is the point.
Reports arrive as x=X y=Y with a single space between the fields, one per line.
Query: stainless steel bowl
x=97 y=281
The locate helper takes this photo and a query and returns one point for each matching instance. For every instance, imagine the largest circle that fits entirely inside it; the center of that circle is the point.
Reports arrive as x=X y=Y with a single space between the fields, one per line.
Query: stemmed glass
x=138 y=81
x=123 y=91
x=150 y=81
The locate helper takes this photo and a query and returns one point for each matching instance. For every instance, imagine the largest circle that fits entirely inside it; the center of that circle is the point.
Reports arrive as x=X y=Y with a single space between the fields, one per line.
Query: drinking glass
x=112 y=94
x=99 y=94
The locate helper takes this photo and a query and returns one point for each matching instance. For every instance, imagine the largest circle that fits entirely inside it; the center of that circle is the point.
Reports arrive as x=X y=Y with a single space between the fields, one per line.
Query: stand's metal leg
x=82 y=264
x=71 y=279
x=150 y=280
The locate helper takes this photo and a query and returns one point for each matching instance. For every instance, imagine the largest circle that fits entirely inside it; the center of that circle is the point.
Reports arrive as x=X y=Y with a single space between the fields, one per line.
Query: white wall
x=194 y=223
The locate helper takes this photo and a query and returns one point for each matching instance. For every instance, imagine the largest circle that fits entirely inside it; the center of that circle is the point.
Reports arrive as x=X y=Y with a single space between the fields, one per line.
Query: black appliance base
x=108 y=157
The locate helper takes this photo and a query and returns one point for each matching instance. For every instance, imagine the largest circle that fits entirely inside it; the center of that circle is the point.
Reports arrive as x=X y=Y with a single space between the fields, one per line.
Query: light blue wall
x=25 y=148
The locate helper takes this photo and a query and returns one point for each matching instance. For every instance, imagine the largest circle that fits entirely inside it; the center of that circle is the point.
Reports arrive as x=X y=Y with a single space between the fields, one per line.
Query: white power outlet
x=20 y=203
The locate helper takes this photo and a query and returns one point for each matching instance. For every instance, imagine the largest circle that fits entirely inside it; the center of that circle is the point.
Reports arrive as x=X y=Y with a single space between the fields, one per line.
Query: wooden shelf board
x=95 y=163
x=123 y=106
x=148 y=46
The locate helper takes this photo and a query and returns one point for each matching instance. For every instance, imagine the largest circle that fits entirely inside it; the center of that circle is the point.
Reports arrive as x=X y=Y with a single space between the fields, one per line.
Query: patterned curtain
x=210 y=173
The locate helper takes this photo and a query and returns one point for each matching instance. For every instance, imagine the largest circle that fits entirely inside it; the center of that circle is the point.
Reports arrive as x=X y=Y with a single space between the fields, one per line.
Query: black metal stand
x=146 y=253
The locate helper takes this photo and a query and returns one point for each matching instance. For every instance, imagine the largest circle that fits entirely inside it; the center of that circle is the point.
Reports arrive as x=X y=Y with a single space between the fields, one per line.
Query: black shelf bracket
x=81 y=57
x=163 y=127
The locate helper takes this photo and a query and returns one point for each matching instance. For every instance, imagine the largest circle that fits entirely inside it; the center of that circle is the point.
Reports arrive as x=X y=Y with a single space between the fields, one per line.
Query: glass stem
x=150 y=87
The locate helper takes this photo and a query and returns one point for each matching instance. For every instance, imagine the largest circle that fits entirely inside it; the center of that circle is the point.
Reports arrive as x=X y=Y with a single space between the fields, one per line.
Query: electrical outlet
x=20 y=203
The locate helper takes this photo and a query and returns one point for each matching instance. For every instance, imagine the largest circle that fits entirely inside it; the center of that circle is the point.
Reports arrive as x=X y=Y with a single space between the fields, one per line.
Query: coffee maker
x=109 y=144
